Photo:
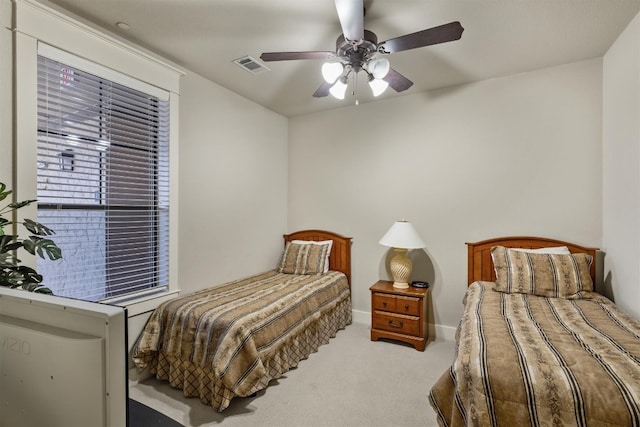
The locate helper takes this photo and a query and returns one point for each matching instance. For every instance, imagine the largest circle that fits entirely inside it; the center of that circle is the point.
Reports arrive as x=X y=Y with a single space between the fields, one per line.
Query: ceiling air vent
x=250 y=64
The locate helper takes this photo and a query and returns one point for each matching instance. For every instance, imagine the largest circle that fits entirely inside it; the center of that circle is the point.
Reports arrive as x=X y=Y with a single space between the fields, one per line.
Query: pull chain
x=355 y=88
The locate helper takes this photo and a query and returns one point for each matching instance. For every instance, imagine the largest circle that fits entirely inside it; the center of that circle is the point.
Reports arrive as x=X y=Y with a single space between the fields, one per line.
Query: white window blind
x=103 y=183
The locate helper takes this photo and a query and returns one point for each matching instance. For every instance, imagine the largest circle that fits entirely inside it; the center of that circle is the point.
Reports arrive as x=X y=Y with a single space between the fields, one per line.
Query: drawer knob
x=406 y=307
x=395 y=325
x=384 y=303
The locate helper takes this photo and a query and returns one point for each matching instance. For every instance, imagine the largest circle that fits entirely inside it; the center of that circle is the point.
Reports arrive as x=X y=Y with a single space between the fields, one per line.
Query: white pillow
x=560 y=250
x=322 y=242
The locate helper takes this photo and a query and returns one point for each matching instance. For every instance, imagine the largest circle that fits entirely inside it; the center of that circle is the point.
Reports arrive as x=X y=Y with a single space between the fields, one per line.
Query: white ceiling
x=501 y=37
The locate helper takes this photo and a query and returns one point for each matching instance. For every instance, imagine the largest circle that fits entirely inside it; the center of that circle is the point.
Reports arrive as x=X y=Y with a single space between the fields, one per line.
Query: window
x=103 y=183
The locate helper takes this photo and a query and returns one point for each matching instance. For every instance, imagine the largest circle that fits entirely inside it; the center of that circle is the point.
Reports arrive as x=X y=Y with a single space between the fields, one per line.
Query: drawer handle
x=406 y=307
x=384 y=303
x=395 y=325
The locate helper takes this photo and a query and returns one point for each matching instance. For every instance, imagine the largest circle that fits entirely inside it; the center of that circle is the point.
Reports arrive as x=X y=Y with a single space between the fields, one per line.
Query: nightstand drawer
x=396 y=304
x=408 y=305
x=384 y=302
x=408 y=325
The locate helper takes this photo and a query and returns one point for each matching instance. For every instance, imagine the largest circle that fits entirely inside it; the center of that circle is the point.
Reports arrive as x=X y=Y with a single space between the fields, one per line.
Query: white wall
x=6 y=100
x=621 y=168
x=232 y=185
x=518 y=155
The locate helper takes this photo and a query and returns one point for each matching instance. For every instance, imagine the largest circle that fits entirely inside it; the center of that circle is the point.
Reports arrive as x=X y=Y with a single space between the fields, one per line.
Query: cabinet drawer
x=384 y=302
x=408 y=325
x=396 y=304
x=408 y=305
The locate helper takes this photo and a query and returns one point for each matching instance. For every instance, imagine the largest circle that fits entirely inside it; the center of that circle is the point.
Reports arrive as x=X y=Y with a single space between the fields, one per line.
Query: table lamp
x=402 y=236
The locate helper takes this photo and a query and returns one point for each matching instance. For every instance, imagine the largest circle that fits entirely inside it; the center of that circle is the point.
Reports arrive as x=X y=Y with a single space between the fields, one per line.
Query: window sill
x=136 y=305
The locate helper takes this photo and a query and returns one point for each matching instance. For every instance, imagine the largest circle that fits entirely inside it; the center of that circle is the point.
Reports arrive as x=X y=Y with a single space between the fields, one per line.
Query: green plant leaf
x=43 y=290
x=3 y=194
x=4 y=222
x=4 y=241
x=27 y=271
x=30 y=275
x=45 y=248
x=37 y=228
x=8 y=260
x=12 y=274
x=21 y=277
x=30 y=244
x=22 y=204
x=8 y=244
x=13 y=278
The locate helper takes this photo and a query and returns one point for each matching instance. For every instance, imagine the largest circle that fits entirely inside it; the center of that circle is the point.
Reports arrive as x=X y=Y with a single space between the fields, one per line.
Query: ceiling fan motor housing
x=357 y=54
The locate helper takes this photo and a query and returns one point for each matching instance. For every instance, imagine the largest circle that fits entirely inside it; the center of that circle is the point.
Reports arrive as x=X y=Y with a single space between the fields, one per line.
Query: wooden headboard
x=340 y=257
x=480 y=265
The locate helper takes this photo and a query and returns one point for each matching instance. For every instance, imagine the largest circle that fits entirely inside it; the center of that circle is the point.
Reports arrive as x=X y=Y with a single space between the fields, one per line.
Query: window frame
x=36 y=25
x=113 y=157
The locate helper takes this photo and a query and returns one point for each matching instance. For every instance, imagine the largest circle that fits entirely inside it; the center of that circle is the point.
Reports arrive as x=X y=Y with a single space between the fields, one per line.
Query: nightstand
x=399 y=314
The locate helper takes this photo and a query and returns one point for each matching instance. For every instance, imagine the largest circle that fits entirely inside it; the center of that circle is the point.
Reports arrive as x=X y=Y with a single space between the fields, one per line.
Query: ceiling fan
x=358 y=50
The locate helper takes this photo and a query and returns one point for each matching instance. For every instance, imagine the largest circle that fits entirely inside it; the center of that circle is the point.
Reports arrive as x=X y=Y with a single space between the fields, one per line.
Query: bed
x=231 y=340
x=536 y=346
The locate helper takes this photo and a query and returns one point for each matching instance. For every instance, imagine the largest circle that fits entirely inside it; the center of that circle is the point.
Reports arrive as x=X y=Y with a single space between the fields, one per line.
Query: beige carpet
x=349 y=382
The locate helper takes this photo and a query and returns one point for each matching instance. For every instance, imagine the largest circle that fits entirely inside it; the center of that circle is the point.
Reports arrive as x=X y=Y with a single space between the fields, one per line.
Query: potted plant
x=12 y=273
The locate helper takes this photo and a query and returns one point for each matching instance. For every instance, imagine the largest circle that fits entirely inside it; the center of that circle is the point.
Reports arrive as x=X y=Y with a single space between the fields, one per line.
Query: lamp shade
x=402 y=234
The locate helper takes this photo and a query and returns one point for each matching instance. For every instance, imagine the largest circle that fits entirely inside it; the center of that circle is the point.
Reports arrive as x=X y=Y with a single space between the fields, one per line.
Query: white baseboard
x=363 y=317
x=138 y=375
x=446 y=333
x=436 y=332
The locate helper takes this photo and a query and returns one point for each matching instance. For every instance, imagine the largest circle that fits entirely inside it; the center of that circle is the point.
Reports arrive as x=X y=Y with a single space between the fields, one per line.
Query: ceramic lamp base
x=400 y=266
x=400 y=285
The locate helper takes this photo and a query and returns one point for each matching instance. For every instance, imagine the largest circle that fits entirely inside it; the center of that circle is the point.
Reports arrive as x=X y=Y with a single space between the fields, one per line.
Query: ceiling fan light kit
x=331 y=71
x=378 y=86
x=379 y=67
x=339 y=88
x=357 y=50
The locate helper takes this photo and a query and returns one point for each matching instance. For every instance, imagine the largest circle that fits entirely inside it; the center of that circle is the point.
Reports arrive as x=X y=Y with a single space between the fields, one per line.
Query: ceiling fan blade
x=287 y=56
x=441 y=34
x=397 y=81
x=351 y=15
x=323 y=90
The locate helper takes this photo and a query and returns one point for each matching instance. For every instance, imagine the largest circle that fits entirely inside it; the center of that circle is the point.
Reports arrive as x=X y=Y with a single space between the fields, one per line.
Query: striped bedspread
x=231 y=340
x=524 y=360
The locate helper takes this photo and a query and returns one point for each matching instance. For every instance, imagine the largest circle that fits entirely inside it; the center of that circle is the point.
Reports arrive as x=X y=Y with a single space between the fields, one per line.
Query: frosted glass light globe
x=378 y=86
x=379 y=67
x=331 y=71
x=338 y=90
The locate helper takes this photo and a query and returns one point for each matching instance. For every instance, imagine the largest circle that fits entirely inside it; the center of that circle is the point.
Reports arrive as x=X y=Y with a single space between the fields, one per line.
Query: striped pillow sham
x=321 y=242
x=304 y=258
x=548 y=275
